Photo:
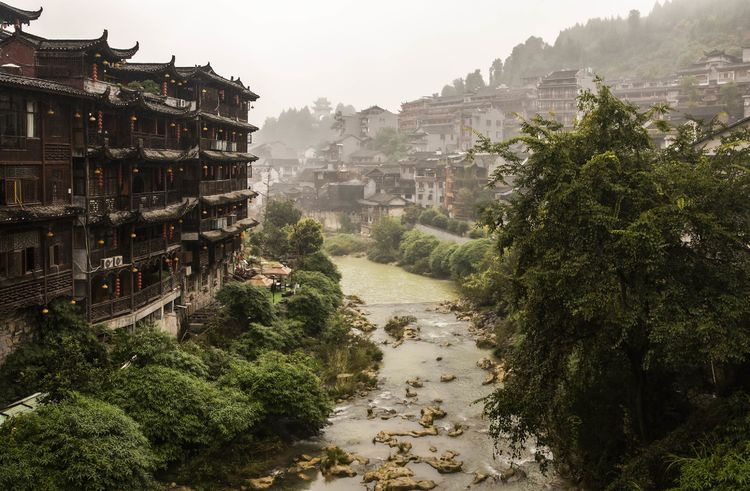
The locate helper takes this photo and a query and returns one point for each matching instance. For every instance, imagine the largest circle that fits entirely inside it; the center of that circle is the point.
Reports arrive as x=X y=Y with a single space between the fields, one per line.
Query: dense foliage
x=344 y=244
x=80 y=443
x=386 y=234
x=627 y=277
x=247 y=303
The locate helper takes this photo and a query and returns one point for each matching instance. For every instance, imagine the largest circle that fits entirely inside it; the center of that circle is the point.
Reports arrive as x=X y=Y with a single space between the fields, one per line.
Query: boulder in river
x=261 y=483
x=429 y=415
x=446 y=464
x=458 y=430
x=447 y=377
x=340 y=470
x=404 y=484
x=416 y=382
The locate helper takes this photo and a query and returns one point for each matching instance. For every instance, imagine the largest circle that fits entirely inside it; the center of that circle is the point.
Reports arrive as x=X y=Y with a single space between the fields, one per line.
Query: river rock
x=416 y=383
x=485 y=364
x=340 y=470
x=433 y=449
x=261 y=483
x=479 y=478
x=458 y=430
x=388 y=471
x=410 y=393
x=439 y=358
x=446 y=464
x=490 y=378
x=447 y=377
x=404 y=484
x=429 y=415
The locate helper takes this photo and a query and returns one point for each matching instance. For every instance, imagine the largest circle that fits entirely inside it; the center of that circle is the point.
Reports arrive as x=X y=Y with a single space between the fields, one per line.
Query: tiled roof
x=44 y=44
x=228 y=121
x=207 y=72
x=10 y=14
x=41 y=85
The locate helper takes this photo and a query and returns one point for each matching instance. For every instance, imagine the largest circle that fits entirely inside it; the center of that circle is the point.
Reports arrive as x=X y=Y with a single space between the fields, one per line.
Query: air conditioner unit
x=112 y=262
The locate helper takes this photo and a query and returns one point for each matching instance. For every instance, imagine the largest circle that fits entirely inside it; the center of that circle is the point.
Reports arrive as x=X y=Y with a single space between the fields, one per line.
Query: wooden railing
x=208 y=188
x=123 y=305
x=30 y=291
x=145 y=248
x=20 y=149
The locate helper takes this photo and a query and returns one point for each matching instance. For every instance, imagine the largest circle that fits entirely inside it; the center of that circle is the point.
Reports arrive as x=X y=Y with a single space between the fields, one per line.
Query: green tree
x=468 y=258
x=439 y=259
x=80 y=443
x=321 y=263
x=415 y=250
x=496 y=72
x=392 y=143
x=287 y=388
x=179 y=412
x=386 y=233
x=281 y=212
x=475 y=81
x=630 y=286
x=306 y=236
x=66 y=356
x=247 y=303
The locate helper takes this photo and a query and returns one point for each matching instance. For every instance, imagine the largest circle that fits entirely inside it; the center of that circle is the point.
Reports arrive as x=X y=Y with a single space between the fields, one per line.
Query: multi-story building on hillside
x=124 y=185
x=558 y=92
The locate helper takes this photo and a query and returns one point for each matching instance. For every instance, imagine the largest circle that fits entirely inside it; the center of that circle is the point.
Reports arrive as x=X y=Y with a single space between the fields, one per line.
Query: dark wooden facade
x=116 y=178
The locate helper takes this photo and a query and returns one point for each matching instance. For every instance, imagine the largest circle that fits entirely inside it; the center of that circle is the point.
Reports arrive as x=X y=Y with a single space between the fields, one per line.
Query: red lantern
x=178 y=131
x=164 y=88
x=139 y=280
x=117 y=287
x=164 y=231
x=94 y=72
x=99 y=122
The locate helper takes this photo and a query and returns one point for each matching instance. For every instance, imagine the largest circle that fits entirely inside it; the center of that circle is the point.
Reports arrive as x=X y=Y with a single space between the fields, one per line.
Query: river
x=445 y=346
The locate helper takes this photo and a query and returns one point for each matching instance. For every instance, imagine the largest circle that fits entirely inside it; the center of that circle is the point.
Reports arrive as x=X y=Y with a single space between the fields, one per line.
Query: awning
x=222 y=199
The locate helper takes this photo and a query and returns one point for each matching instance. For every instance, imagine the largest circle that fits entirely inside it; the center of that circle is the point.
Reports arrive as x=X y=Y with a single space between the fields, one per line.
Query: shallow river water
x=388 y=291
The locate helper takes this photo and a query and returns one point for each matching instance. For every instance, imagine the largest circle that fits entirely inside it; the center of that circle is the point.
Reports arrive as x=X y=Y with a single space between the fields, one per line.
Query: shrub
x=343 y=244
x=331 y=290
x=280 y=213
x=427 y=216
x=282 y=335
x=311 y=308
x=178 y=411
x=396 y=324
x=81 y=443
x=477 y=233
x=66 y=356
x=306 y=236
x=416 y=246
x=247 y=303
x=468 y=258
x=440 y=221
x=318 y=261
x=386 y=233
x=439 y=260
x=287 y=388
x=453 y=226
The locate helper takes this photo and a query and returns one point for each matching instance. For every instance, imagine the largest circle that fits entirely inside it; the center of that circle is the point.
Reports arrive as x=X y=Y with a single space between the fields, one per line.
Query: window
x=19 y=254
x=19 y=184
x=12 y=121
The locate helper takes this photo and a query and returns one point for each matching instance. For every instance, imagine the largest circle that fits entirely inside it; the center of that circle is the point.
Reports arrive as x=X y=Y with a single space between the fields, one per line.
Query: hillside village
x=351 y=176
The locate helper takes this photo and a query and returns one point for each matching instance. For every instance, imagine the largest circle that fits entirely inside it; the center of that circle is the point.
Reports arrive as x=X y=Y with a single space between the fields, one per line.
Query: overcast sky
x=353 y=51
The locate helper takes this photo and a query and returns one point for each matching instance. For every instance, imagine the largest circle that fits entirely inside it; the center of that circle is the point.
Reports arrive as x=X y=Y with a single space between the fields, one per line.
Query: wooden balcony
x=156 y=199
x=125 y=305
x=208 y=188
x=150 y=247
x=25 y=292
x=220 y=145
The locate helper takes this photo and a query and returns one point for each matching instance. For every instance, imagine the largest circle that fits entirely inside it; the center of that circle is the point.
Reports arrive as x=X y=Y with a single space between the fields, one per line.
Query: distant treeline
x=673 y=35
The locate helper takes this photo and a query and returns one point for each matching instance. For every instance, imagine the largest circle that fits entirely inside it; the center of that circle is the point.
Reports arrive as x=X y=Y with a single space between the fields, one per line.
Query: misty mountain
x=673 y=35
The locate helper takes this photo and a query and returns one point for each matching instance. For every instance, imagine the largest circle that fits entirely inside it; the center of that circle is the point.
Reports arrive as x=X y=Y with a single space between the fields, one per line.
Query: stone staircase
x=198 y=322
